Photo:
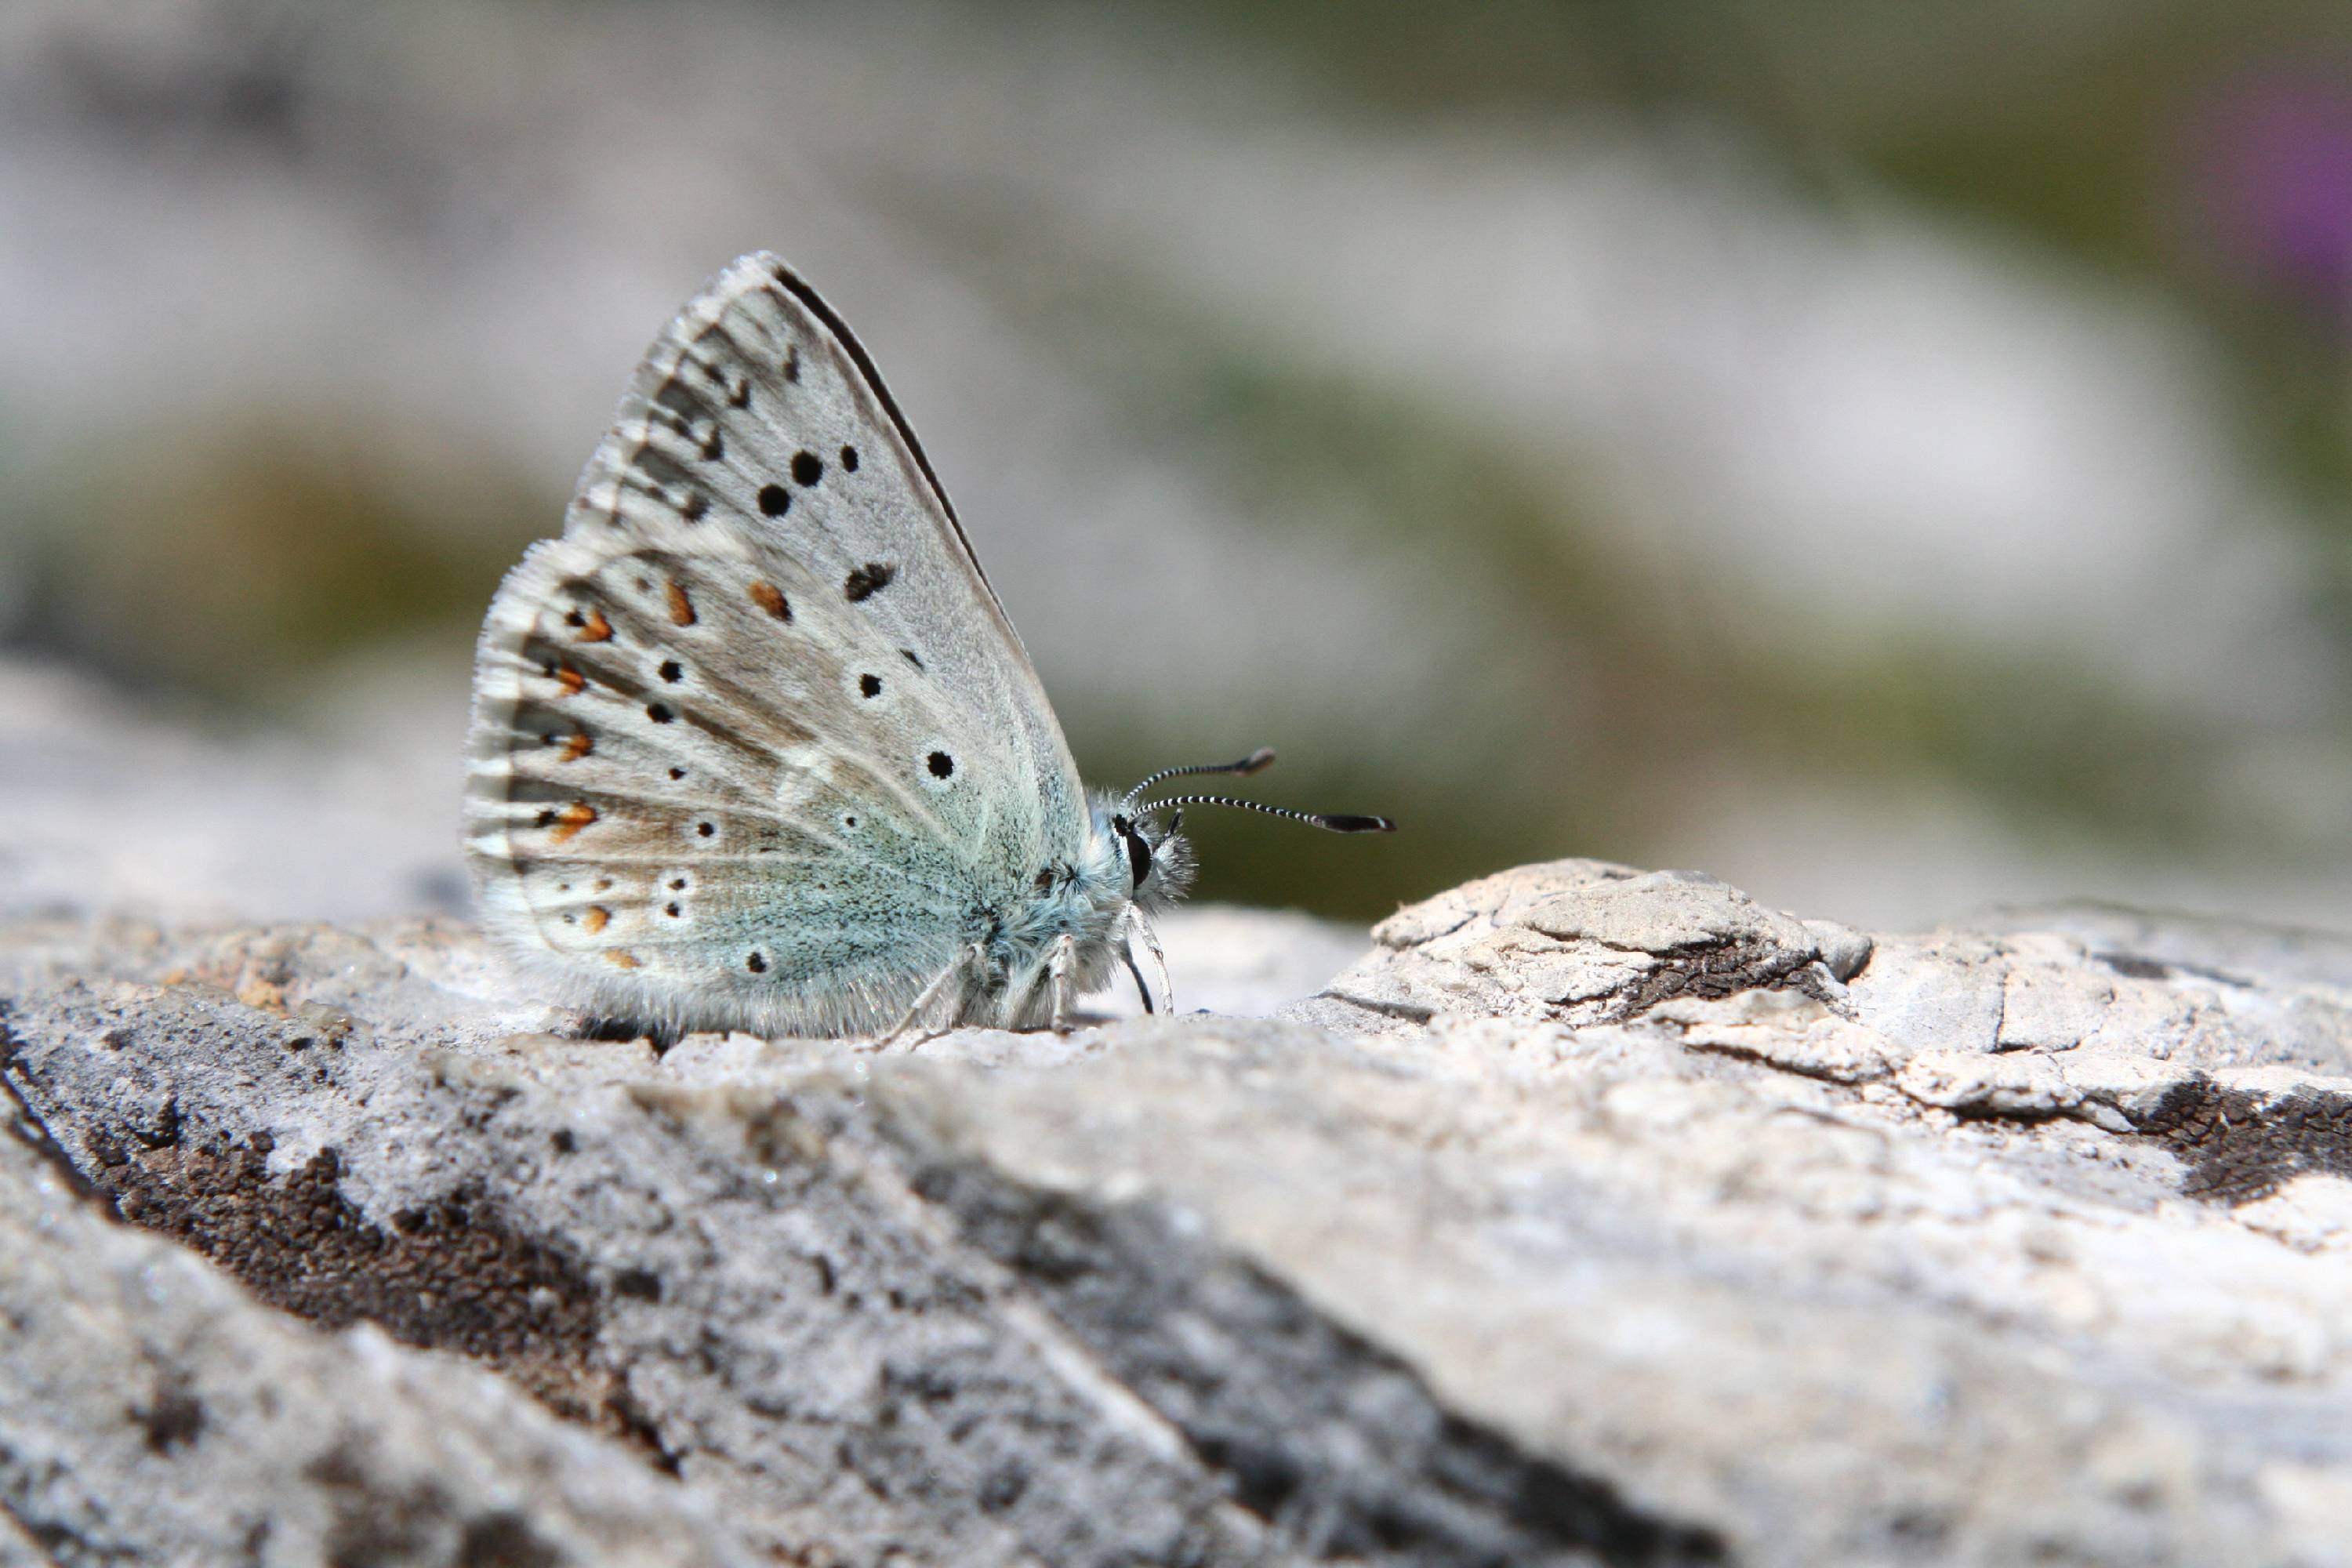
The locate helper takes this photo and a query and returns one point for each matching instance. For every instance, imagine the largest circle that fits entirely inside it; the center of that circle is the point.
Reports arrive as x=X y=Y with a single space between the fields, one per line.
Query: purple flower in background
x=2272 y=159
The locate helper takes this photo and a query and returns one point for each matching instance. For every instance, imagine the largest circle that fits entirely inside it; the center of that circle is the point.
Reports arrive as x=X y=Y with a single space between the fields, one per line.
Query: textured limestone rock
x=154 y=1413
x=1592 y=1216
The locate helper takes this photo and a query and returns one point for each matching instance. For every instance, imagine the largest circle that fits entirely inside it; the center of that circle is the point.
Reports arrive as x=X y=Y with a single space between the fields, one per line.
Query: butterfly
x=753 y=744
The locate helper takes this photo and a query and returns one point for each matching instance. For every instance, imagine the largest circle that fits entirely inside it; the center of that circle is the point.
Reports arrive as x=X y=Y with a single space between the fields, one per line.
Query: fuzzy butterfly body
x=753 y=744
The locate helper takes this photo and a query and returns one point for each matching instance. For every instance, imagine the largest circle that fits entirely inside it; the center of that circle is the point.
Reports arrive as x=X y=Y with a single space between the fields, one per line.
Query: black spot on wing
x=940 y=764
x=807 y=469
x=774 y=500
x=849 y=460
x=868 y=580
x=870 y=685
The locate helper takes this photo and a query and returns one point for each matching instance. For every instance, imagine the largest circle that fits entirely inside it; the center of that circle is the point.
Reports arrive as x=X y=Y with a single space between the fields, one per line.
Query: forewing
x=753 y=738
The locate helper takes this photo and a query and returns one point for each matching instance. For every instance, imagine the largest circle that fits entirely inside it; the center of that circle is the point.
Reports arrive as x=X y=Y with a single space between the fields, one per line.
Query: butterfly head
x=1157 y=859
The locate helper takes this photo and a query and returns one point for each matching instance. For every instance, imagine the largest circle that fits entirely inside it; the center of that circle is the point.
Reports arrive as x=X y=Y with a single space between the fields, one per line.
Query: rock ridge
x=1593 y=1215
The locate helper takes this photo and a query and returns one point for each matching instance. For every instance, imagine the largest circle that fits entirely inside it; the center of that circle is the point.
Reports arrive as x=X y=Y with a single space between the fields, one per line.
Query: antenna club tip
x=1357 y=824
x=1260 y=759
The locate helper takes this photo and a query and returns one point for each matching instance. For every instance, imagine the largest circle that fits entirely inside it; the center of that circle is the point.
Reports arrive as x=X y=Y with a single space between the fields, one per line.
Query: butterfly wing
x=753 y=740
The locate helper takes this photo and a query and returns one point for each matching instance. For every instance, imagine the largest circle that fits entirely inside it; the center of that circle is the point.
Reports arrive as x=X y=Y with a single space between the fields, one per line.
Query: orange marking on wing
x=597 y=917
x=577 y=747
x=681 y=608
x=572 y=819
x=771 y=598
x=574 y=683
x=622 y=959
x=598 y=628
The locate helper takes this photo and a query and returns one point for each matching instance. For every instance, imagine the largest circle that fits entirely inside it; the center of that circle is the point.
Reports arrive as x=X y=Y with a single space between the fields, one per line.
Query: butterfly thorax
x=1120 y=872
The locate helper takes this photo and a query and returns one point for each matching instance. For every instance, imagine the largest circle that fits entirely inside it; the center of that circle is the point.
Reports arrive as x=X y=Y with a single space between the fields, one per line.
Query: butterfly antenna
x=1313 y=819
x=1261 y=758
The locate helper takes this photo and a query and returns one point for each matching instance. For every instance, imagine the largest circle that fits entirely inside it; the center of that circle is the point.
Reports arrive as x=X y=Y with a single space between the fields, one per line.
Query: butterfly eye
x=1139 y=852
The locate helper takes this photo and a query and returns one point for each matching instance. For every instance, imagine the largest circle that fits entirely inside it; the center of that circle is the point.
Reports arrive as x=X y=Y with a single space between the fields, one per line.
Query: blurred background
x=1894 y=458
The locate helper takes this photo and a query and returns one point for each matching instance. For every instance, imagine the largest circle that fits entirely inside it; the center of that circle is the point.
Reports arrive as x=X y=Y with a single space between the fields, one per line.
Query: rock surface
x=1593 y=1216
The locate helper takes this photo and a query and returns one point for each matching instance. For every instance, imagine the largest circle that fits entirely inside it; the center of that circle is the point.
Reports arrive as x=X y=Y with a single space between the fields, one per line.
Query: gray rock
x=150 y=1411
x=1592 y=1216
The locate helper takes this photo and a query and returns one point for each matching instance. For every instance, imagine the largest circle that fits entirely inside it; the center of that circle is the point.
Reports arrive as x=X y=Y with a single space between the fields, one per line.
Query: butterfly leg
x=968 y=957
x=1064 y=968
x=1138 y=925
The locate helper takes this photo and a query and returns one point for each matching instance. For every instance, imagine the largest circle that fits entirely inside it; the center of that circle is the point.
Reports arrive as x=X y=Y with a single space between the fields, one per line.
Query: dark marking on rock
x=637 y=1284
x=620 y=1028
x=774 y=500
x=172 y=1416
x=452 y=1273
x=1002 y=1486
x=807 y=469
x=868 y=580
x=1722 y=969
x=504 y=1539
x=1337 y=1443
x=2240 y=1145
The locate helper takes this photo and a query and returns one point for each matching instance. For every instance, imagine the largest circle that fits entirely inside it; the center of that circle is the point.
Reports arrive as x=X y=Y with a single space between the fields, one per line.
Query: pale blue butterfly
x=753 y=744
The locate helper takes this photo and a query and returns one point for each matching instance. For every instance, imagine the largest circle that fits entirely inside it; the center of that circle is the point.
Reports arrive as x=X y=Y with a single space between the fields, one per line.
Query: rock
x=1591 y=1216
x=155 y=1412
